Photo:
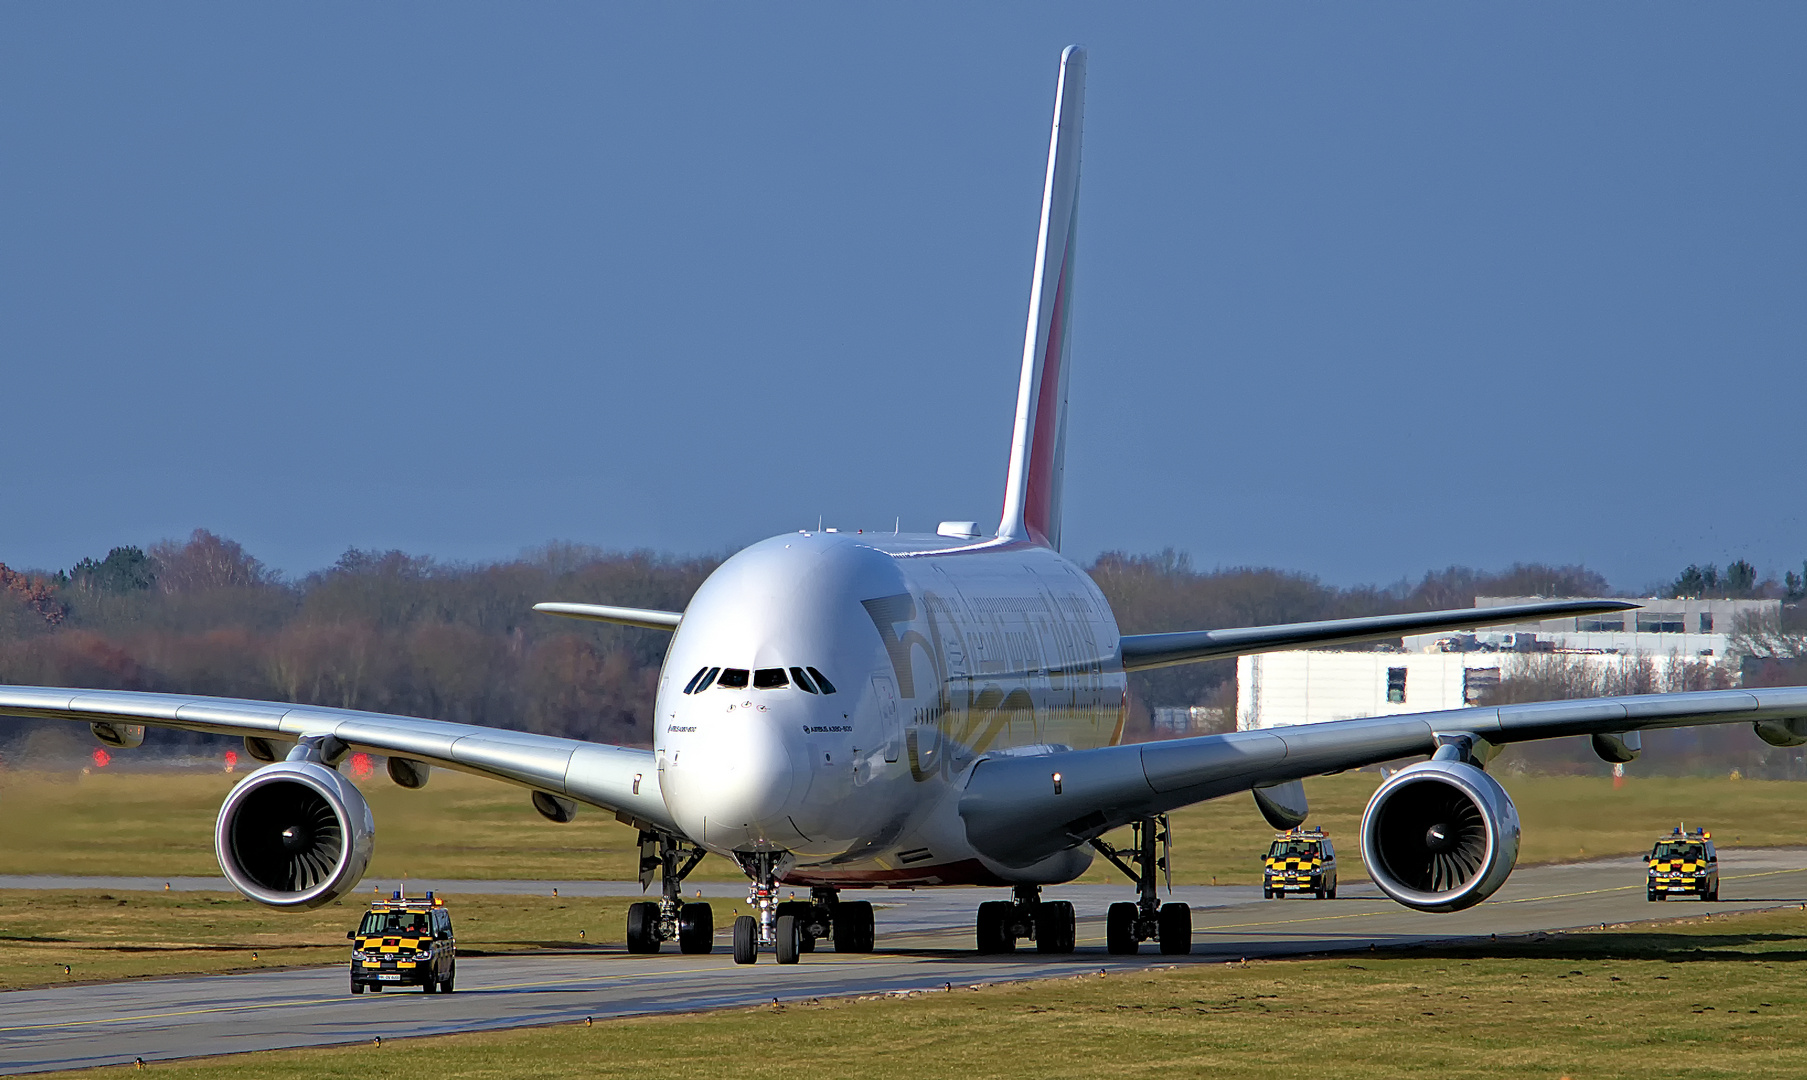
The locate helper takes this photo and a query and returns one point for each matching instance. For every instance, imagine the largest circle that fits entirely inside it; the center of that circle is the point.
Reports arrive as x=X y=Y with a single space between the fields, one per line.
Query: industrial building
x=1450 y=671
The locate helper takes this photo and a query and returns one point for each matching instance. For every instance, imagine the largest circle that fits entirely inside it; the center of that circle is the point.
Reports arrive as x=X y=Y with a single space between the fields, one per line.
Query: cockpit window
x=690 y=687
x=734 y=678
x=769 y=678
x=827 y=687
x=802 y=681
x=702 y=684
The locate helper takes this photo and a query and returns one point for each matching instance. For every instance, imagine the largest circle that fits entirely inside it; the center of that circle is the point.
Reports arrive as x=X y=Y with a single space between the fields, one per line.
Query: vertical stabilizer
x=1038 y=445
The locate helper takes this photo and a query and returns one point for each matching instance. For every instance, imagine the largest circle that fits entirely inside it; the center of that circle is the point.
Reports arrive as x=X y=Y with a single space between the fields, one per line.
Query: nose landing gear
x=1127 y=925
x=650 y=924
x=791 y=928
x=1049 y=923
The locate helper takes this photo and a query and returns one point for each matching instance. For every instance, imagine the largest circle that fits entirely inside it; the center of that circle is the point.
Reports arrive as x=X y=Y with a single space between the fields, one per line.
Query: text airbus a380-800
x=839 y=711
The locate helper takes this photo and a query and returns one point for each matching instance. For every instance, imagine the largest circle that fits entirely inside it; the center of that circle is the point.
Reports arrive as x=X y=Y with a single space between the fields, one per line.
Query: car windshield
x=1289 y=849
x=378 y=923
x=1672 y=850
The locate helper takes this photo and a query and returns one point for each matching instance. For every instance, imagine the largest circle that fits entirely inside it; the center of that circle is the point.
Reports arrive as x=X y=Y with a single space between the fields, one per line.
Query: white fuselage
x=938 y=651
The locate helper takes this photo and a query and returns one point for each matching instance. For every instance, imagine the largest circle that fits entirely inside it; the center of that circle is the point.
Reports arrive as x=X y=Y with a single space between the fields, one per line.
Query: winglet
x=1038 y=443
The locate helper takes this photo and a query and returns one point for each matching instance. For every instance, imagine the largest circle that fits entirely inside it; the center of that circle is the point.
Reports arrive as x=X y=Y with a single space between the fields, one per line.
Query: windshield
x=393 y=923
x=1287 y=849
x=1669 y=849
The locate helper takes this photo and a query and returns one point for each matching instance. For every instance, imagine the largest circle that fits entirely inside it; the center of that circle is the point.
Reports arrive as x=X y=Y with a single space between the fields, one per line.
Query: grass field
x=1700 y=998
x=161 y=824
x=101 y=936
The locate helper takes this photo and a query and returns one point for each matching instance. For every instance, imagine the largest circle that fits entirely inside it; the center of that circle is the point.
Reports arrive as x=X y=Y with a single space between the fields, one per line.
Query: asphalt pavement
x=924 y=944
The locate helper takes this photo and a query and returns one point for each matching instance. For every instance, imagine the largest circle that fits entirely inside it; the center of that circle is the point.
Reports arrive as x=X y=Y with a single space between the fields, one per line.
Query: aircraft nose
x=743 y=776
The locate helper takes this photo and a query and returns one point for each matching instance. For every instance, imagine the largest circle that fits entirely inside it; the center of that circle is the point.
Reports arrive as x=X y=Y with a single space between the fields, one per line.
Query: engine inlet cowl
x=295 y=834
x=1440 y=836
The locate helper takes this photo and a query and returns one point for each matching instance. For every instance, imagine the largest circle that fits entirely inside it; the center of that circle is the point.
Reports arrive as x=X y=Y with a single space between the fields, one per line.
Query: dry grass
x=161 y=824
x=100 y=936
x=1698 y=998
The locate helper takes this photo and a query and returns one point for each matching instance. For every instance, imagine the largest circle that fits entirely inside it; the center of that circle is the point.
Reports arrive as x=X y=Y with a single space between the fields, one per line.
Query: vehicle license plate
x=390 y=978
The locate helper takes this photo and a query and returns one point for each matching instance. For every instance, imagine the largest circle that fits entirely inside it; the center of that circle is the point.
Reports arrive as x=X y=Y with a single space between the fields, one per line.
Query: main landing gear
x=1049 y=923
x=650 y=924
x=791 y=928
x=1127 y=925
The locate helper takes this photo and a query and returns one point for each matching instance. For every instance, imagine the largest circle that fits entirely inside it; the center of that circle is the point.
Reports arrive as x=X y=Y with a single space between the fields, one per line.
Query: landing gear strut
x=1127 y=925
x=1049 y=923
x=651 y=924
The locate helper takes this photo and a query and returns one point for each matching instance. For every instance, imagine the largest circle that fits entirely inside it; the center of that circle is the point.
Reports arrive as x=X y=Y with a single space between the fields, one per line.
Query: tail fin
x=1038 y=446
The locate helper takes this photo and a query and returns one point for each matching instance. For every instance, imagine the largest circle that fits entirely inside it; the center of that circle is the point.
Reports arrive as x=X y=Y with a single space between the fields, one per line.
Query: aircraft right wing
x=1143 y=651
x=1021 y=809
x=620 y=779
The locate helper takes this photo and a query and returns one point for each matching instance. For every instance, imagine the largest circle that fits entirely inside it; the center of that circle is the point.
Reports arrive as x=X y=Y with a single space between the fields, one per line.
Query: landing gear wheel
x=643 y=927
x=803 y=911
x=1120 y=930
x=853 y=926
x=1056 y=927
x=1176 y=929
x=789 y=938
x=357 y=988
x=696 y=929
x=994 y=927
x=746 y=940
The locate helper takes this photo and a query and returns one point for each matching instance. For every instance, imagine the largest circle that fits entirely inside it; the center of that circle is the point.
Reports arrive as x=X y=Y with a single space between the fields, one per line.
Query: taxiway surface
x=924 y=942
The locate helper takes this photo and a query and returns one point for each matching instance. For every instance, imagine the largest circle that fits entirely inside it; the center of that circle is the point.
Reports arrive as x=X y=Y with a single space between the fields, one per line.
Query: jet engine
x=1440 y=836
x=295 y=835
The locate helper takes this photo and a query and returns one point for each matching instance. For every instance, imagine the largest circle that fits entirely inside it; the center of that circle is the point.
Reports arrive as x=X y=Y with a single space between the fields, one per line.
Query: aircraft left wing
x=1143 y=651
x=620 y=779
x=1020 y=810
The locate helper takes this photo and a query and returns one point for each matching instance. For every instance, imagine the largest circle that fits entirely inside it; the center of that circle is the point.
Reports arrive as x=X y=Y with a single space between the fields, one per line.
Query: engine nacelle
x=1440 y=836
x=295 y=835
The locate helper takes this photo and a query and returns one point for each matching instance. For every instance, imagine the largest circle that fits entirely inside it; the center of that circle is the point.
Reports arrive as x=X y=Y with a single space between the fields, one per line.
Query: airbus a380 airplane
x=843 y=710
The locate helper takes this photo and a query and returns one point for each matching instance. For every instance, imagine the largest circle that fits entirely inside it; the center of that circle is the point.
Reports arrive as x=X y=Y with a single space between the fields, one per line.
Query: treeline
x=383 y=631
x=393 y=632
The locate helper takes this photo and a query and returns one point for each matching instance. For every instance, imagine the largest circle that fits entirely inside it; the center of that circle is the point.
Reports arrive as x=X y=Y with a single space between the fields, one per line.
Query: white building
x=1450 y=671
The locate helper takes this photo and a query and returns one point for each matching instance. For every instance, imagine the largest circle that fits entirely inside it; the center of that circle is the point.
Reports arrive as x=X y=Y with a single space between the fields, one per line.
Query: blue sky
x=1361 y=290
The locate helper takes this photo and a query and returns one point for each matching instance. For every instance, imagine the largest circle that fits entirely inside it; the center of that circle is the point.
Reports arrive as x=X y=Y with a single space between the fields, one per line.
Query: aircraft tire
x=1120 y=930
x=1176 y=929
x=643 y=927
x=746 y=940
x=853 y=926
x=789 y=937
x=1056 y=927
x=994 y=934
x=696 y=929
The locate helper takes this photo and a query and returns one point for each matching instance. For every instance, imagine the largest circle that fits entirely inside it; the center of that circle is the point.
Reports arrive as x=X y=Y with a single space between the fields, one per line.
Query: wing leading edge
x=1143 y=651
x=1013 y=813
x=615 y=778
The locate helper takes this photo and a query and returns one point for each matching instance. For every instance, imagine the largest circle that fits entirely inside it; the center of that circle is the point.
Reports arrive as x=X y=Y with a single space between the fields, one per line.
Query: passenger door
x=885 y=692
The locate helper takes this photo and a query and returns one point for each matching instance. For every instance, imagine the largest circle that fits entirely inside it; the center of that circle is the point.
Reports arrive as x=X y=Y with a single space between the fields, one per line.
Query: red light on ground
x=101 y=758
x=360 y=765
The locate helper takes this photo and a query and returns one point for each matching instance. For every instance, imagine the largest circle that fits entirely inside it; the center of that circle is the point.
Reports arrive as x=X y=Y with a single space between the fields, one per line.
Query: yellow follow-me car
x=1683 y=864
x=405 y=941
x=1300 y=861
